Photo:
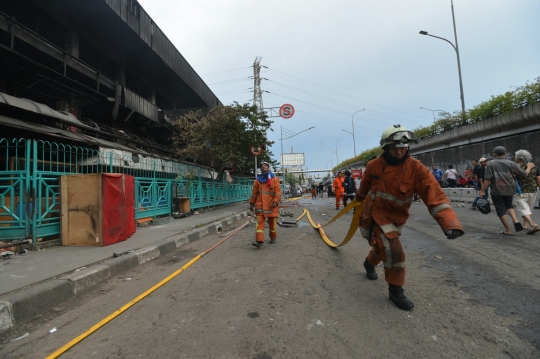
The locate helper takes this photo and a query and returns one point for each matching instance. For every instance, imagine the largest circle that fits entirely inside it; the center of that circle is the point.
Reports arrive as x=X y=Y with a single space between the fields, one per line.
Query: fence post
x=32 y=193
x=154 y=191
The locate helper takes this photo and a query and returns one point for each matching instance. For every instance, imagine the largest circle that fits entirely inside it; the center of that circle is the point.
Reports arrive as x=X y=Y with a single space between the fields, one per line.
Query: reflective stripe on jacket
x=262 y=196
x=389 y=193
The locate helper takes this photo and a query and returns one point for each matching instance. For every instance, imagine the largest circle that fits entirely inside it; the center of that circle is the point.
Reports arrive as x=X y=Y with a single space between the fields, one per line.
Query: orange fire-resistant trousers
x=390 y=252
x=272 y=223
x=338 y=198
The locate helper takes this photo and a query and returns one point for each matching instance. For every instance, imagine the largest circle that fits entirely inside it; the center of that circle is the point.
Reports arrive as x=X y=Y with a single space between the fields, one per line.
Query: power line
x=329 y=119
x=341 y=93
x=229 y=81
x=338 y=102
x=218 y=72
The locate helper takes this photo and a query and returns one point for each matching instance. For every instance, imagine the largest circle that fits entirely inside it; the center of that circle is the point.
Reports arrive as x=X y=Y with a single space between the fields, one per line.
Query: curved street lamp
x=352 y=121
x=291 y=135
x=457 y=54
x=432 y=111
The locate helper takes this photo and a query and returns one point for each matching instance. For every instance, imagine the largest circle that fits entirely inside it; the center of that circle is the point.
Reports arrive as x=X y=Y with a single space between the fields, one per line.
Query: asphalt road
x=475 y=297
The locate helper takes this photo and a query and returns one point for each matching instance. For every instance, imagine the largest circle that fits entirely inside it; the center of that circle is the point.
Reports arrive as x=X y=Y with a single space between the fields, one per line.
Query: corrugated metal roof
x=61 y=133
x=39 y=108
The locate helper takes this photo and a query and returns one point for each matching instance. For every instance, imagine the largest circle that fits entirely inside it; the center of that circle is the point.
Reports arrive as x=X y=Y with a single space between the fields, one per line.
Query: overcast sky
x=334 y=57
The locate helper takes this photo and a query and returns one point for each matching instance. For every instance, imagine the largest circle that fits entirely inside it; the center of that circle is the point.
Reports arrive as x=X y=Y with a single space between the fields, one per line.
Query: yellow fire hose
x=104 y=321
x=352 y=228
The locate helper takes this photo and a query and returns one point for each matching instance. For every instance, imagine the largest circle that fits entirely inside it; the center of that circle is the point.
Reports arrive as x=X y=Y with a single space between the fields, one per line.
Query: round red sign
x=286 y=111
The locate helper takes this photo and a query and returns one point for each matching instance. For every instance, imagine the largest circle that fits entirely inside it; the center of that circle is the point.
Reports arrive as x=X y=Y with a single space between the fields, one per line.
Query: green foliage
x=511 y=100
x=364 y=158
x=222 y=137
x=290 y=179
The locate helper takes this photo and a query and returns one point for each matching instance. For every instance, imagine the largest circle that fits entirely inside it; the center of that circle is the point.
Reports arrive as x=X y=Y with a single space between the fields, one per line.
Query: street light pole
x=337 y=160
x=352 y=122
x=351 y=134
x=458 y=62
x=432 y=111
x=292 y=134
x=457 y=55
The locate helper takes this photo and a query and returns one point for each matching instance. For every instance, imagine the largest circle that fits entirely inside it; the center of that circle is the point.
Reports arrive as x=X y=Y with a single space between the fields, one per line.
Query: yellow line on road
x=104 y=321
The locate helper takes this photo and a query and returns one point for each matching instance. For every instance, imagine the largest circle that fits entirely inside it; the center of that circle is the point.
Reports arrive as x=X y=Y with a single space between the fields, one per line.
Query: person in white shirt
x=451 y=176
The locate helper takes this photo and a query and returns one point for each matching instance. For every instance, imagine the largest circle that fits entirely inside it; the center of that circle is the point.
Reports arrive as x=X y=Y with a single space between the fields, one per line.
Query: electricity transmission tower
x=257 y=92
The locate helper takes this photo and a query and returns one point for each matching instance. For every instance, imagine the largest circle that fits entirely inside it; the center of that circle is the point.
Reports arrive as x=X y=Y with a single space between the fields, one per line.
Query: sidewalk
x=39 y=280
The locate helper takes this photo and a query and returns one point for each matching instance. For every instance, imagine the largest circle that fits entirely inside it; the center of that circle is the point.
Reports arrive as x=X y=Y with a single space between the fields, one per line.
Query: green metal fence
x=30 y=172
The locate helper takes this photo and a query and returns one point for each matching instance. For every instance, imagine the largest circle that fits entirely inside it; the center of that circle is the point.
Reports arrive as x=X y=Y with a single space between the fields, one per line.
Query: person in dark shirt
x=475 y=167
x=349 y=187
x=480 y=175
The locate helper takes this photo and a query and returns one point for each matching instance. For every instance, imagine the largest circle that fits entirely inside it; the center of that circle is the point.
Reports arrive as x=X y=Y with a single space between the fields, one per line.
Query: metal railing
x=30 y=173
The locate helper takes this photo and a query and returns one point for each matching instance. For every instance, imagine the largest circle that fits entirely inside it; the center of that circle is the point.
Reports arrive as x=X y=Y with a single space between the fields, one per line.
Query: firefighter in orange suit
x=337 y=187
x=265 y=198
x=388 y=186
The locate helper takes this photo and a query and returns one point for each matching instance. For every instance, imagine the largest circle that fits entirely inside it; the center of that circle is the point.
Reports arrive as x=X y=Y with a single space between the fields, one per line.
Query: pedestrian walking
x=349 y=187
x=499 y=177
x=526 y=199
x=480 y=172
x=451 y=176
x=313 y=191
x=321 y=189
x=338 y=187
x=387 y=188
x=437 y=173
x=265 y=198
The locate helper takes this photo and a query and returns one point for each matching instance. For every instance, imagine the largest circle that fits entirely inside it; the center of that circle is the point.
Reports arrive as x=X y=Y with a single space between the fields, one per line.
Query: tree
x=222 y=137
x=291 y=179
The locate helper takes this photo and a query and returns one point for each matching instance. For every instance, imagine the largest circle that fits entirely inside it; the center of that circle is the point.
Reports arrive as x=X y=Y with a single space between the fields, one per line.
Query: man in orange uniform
x=265 y=198
x=388 y=186
x=337 y=186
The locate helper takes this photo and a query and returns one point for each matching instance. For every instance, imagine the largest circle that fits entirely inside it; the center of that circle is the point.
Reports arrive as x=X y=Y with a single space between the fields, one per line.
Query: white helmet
x=398 y=135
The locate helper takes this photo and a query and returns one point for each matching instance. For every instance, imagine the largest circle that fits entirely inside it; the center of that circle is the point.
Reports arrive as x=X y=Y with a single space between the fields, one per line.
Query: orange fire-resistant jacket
x=389 y=193
x=262 y=196
x=338 y=184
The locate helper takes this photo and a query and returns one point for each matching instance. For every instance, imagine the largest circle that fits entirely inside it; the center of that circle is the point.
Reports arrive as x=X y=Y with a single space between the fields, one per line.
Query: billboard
x=292 y=159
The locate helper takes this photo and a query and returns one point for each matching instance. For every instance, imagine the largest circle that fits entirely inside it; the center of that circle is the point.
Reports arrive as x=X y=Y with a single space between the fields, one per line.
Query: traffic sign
x=286 y=111
x=255 y=150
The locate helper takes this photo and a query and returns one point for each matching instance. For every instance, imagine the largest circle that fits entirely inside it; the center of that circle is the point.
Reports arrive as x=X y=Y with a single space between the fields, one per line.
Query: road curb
x=21 y=306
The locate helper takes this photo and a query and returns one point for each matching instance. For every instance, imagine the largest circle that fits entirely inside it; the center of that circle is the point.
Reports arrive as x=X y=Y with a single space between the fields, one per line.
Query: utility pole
x=257 y=92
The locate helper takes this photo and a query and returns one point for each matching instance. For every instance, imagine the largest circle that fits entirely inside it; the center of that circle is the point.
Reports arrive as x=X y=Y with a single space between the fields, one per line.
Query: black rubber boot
x=398 y=298
x=370 y=271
